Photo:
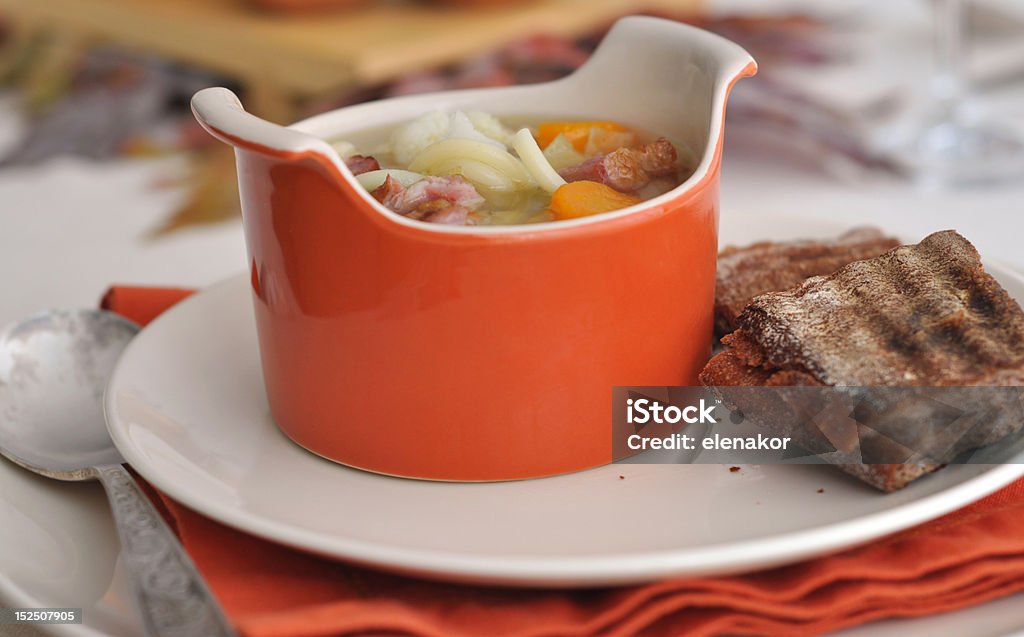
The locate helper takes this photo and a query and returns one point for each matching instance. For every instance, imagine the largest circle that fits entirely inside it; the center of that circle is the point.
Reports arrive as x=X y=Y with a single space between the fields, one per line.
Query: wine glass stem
x=950 y=84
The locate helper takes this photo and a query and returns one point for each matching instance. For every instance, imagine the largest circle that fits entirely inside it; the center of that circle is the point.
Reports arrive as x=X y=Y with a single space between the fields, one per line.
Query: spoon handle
x=172 y=597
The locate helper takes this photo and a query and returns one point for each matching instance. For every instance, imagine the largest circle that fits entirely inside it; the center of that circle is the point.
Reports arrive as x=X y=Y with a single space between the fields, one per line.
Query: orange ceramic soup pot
x=482 y=353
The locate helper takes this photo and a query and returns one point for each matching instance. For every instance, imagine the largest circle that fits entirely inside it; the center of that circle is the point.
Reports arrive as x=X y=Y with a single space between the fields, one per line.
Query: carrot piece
x=576 y=132
x=584 y=198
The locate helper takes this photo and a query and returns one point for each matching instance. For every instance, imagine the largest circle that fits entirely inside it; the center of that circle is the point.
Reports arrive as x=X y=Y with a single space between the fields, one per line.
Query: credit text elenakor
x=644 y=411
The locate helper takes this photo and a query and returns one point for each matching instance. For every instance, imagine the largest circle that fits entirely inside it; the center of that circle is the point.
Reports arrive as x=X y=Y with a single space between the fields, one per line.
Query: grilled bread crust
x=744 y=273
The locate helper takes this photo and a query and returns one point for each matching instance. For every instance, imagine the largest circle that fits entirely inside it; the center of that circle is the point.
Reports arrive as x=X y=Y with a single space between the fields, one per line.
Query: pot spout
x=655 y=50
x=674 y=77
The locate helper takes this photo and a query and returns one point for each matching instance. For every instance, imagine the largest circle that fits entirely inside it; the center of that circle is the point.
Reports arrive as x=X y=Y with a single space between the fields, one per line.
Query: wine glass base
x=951 y=153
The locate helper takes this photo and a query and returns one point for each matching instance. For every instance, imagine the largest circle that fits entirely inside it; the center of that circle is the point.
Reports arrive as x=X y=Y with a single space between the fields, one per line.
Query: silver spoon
x=53 y=370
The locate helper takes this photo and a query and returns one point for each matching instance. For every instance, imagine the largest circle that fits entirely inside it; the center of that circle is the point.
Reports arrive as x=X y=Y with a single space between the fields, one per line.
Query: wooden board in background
x=282 y=58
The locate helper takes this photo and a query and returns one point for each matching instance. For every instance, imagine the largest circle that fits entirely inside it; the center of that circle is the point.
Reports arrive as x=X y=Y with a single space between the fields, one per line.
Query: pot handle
x=219 y=111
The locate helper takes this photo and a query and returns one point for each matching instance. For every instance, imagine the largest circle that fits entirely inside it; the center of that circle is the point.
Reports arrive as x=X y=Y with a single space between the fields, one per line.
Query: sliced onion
x=481 y=175
x=535 y=161
x=469 y=149
x=375 y=178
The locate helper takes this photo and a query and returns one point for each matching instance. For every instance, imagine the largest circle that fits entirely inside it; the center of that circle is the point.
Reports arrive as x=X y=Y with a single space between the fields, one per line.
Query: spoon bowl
x=54 y=368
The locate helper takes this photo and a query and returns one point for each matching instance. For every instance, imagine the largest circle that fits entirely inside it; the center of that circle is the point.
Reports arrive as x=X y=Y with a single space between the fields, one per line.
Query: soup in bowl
x=473 y=168
x=432 y=308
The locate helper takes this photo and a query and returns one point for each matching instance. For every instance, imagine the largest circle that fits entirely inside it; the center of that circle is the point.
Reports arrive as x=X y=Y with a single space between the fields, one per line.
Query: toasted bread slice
x=925 y=315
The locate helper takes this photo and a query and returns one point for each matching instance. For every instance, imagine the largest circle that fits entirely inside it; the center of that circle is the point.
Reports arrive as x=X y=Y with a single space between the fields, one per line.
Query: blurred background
x=105 y=176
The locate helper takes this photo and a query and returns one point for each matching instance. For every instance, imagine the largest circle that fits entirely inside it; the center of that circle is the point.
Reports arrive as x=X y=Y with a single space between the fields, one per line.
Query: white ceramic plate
x=58 y=546
x=187 y=409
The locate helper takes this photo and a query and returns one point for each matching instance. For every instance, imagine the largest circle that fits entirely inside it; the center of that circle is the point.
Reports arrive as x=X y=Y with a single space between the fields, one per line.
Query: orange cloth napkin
x=968 y=557
x=141 y=305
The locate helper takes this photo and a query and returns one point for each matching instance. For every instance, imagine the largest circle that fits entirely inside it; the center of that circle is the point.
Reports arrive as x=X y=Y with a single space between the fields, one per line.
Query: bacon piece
x=388 y=192
x=360 y=164
x=441 y=211
x=658 y=159
x=623 y=172
x=628 y=169
x=447 y=200
x=590 y=170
